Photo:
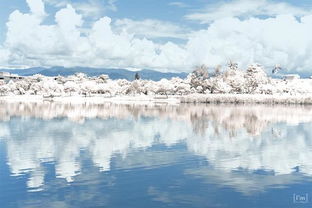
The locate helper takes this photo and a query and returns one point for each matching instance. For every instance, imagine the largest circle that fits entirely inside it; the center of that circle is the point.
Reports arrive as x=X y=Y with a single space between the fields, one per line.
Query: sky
x=164 y=35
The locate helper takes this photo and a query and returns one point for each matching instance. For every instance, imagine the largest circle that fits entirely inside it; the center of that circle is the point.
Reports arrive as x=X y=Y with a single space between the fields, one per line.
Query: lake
x=154 y=155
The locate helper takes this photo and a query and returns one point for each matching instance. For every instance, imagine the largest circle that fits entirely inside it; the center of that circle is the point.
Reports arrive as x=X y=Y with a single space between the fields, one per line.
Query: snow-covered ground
x=231 y=86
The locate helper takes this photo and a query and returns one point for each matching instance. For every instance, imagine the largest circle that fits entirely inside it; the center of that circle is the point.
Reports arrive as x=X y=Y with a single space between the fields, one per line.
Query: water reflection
x=238 y=142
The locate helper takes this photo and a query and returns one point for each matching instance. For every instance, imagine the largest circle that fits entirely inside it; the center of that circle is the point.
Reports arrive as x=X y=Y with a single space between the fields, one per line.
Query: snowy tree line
x=233 y=80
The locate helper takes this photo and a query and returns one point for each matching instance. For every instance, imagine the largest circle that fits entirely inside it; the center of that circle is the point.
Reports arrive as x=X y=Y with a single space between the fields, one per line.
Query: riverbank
x=192 y=98
x=248 y=98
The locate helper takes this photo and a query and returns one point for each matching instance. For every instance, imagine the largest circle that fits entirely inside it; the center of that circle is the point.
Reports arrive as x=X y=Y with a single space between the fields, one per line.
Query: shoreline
x=192 y=98
x=248 y=99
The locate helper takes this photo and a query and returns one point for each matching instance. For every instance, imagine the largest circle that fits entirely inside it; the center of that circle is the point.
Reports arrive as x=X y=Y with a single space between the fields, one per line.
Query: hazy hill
x=112 y=73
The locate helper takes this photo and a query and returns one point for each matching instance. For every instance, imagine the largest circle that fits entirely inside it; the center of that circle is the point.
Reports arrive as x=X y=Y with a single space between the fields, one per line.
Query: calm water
x=86 y=155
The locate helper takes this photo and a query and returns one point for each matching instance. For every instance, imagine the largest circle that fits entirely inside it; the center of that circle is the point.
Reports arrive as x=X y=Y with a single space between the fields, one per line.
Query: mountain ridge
x=147 y=74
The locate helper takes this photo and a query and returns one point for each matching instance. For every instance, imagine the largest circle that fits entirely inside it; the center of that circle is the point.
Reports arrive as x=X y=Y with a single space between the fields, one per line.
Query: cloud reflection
x=230 y=137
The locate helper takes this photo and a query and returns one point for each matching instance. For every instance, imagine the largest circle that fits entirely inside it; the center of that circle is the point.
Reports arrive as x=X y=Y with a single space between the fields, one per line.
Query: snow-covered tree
x=253 y=80
x=197 y=78
x=164 y=87
x=35 y=88
x=88 y=87
x=255 y=77
x=235 y=78
x=71 y=87
x=102 y=78
x=276 y=68
x=4 y=89
x=217 y=70
x=22 y=86
x=220 y=85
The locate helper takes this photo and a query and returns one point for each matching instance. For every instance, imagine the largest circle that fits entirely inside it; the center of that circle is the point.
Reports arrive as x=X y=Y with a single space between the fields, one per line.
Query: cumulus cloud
x=63 y=43
x=282 y=39
x=280 y=36
x=4 y=56
x=245 y=9
x=36 y=7
x=253 y=31
x=151 y=28
x=33 y=43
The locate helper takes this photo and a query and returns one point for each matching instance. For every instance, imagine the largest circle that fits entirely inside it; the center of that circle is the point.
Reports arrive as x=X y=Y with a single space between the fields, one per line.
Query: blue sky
x=133 y=9
x=166 y=35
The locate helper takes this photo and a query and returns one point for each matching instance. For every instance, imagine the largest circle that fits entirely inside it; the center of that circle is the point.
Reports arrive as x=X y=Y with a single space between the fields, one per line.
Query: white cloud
x=93 y=9
x=111 y=5
x=4 y=56
x=90 y=8
x=34 y=43
x=245 y=9
x=127 y=43
x=178 y=4
x=151 y=28
x=282 y=39
x=36 y=7
x=57 y=3
x=68 y=20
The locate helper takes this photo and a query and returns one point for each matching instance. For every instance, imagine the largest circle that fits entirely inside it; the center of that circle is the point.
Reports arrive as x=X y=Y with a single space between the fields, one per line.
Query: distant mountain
x=112 y=73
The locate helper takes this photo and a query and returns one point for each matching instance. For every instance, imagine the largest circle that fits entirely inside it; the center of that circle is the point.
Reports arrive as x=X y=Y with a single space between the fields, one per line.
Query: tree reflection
x=230 y=137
